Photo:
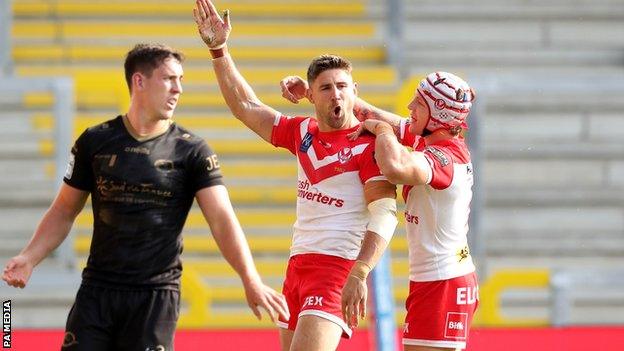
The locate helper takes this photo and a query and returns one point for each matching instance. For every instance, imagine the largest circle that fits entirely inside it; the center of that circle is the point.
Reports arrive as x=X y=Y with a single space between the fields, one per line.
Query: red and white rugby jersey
x=436 y=214
x=331 y=209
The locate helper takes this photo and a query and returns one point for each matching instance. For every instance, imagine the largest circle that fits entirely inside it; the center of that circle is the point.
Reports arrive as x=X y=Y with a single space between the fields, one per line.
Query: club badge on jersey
x=306 y=142
x=345 y=155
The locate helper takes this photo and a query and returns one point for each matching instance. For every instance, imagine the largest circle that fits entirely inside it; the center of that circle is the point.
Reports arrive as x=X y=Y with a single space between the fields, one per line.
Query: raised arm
x=237 y=93
x=215 y=204
x=50 y=233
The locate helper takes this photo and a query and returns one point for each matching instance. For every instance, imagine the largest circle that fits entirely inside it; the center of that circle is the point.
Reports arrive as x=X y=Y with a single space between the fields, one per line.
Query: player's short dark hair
x=323 y=63
x=145 y=58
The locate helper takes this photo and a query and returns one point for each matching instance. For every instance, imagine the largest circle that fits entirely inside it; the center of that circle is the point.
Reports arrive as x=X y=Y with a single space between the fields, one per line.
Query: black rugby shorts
x=106 y=319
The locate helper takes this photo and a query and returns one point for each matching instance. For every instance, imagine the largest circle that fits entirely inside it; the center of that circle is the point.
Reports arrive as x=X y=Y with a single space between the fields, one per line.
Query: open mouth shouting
x=336 y=111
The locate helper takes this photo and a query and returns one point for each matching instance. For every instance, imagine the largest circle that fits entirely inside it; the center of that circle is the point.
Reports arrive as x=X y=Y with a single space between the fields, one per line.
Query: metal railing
x=488 y=86
x=564 y=282
x=383 y=316
x=6 y=61
x=63 y=110
x=476 y=235
x=395 y=21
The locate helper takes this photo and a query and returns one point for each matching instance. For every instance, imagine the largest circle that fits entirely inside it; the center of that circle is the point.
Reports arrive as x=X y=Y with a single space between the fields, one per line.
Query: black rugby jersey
x=141 y=195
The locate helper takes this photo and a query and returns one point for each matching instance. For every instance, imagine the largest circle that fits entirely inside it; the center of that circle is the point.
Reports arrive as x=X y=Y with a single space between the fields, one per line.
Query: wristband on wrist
x=218 y=51
x=360 y=270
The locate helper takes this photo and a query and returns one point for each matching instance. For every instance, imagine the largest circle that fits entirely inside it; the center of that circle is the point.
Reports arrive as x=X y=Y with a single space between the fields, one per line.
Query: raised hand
x=373 y=126
x=17 y=271
x=213 y=30
x=294 y=88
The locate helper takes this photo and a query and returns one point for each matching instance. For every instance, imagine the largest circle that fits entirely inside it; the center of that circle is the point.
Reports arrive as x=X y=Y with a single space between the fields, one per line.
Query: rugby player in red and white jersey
x=438 y=178
x=346 y=209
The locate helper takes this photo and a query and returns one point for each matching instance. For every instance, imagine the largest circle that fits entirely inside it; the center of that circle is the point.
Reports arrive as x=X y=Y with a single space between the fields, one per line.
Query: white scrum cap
x=449 y=99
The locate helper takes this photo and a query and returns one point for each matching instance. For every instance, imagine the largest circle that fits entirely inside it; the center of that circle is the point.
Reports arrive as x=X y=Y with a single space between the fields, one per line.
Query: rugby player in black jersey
x=143 y=172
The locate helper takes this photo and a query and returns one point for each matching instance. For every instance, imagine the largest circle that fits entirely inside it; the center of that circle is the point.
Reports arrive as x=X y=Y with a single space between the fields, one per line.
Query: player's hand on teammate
x=373 y=126
x=294 y=88
x=260 y=295
x=354 y=295
x=213 y=29
x=17 y=271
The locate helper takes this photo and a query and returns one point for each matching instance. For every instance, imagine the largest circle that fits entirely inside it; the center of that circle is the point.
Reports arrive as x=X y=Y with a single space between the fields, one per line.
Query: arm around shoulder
x=398 y=164
x=363 y=111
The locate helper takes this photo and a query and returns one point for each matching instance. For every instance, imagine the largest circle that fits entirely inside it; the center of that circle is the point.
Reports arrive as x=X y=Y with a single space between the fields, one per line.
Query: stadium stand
x=552 y=158
x=553 y=162
x=87 y=40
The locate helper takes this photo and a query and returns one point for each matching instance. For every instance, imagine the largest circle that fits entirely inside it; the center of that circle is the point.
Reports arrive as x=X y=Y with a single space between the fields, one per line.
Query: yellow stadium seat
x=141 y=8
x=110 y=75
x=248 y=217
x=87 y=41
x=81 y=29
x=277 y=268
x=205 y=244
x=90 y=53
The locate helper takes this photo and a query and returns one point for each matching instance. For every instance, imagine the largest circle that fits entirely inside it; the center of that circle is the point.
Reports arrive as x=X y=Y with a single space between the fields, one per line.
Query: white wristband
x=383 y=219
x=218 y=47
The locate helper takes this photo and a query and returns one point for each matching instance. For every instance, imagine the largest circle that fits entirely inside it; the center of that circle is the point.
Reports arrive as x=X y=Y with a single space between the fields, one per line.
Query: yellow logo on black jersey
x=164 y=165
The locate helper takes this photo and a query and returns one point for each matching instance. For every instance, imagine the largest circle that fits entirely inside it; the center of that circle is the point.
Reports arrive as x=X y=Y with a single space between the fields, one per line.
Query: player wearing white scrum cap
x=437 y=177
x=449 y=99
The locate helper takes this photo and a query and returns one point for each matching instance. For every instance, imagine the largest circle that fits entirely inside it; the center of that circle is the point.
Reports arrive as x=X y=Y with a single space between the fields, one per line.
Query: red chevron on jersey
x=331 y=173
x=318 y=169
x=322 y=155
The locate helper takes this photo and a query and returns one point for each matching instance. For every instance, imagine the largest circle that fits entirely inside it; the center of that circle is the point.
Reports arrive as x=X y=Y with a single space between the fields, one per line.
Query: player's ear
x=355 y=88
x=309 y=95
x=138 y=81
